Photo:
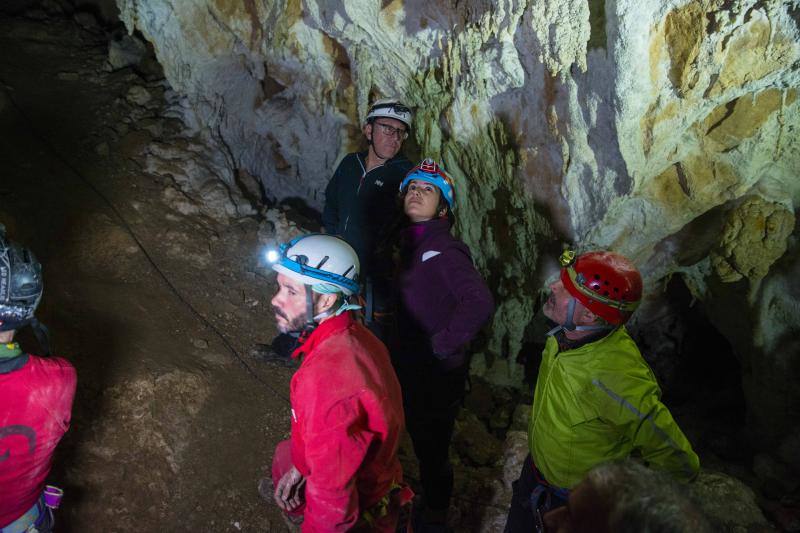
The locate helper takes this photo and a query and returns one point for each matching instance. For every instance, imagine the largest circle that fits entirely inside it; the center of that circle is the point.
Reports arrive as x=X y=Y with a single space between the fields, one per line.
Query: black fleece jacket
x=360 y=206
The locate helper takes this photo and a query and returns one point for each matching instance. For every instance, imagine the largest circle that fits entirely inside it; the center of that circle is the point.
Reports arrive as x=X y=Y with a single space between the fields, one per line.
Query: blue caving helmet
x=430 y=172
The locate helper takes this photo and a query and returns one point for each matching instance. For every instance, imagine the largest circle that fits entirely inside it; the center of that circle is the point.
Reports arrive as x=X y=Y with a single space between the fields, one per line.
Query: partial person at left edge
x=36 y=395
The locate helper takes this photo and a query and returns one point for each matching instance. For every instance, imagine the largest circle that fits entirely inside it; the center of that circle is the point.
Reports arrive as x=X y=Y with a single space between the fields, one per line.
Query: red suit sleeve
x=336 y=444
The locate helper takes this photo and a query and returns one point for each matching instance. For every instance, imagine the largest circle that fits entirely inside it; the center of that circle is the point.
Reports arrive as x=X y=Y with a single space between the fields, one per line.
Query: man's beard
x=296 y=323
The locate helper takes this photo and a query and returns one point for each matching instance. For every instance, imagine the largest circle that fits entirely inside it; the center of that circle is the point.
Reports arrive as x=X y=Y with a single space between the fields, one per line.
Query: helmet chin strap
x=569 y=325
x=311 y=320
x=42 y=335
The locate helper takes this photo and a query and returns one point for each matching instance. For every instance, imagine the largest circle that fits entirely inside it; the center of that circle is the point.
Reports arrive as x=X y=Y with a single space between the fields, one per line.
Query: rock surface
x=728 y=503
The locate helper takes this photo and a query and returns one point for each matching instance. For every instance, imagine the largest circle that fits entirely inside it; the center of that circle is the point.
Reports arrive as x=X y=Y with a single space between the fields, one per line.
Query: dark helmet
x=20 y=284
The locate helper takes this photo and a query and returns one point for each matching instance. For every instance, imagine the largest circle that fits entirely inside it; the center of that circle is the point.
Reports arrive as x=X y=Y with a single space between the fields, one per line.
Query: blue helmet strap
x=42 y=335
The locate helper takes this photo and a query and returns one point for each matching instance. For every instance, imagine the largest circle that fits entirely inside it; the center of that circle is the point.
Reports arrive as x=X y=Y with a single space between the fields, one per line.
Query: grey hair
x=642 y=500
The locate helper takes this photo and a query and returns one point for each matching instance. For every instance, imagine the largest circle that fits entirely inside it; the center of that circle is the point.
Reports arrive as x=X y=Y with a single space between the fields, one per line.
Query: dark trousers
x=521 y=515
x=377 y=311
x=431 y=399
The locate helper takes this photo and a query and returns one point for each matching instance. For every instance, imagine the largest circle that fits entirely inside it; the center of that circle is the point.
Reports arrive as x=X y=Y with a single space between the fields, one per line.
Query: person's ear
x=584 y=316
x=367 y=129
x=326 y=302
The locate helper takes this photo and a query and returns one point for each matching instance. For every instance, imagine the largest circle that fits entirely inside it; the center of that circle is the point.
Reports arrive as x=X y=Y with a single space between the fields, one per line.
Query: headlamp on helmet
x=316 y=259
x=390 y=108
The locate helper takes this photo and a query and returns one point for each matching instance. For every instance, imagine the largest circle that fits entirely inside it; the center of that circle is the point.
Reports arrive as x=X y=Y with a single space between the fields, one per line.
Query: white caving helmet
x=390 y=108
x=325 y=264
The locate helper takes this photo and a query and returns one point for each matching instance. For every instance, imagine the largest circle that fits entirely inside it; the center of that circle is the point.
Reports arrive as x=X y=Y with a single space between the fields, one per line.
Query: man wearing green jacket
x=596 y=399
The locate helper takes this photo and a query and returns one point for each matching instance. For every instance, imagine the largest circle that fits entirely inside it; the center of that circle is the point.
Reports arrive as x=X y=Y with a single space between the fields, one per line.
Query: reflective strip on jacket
x=600 y=402
x=347 y=417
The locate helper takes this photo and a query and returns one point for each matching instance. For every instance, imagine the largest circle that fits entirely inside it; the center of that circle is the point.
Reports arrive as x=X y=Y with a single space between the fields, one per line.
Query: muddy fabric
x=35 y=411
x=347 y=416
x=360 y=206
x=281 y=464
x=598 y=403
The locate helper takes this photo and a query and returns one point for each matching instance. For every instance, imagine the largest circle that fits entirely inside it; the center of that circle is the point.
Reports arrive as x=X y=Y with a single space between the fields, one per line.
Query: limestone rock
x=728 y=503
x=521 y=417
x=754 y=237
x=516 y=450
x=138 y=95
x=126 y=51
x=200 y=182
x=474 y=442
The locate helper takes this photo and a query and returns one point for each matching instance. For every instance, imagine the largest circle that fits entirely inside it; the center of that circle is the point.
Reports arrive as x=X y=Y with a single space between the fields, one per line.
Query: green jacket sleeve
x=632 y=404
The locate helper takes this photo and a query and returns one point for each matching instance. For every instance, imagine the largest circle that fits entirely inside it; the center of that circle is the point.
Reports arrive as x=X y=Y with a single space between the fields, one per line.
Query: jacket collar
x=323 y=331
x=566 y=346
x=362 y=159
x=413 y=234
x=11 y=357
x=9 y=350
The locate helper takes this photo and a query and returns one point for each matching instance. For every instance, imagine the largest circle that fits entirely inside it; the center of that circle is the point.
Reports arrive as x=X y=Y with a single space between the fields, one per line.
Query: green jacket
x=597 y=403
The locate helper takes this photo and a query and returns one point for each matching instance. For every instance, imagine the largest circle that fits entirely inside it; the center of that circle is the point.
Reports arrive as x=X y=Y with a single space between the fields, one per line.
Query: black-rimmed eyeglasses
x=399 y=133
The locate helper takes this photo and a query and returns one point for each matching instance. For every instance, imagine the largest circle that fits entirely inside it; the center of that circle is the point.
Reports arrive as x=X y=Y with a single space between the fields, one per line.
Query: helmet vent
x=324 y=260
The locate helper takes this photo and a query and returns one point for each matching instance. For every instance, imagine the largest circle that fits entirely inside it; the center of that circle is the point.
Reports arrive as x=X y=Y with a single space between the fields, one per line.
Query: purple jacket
x=442 y=300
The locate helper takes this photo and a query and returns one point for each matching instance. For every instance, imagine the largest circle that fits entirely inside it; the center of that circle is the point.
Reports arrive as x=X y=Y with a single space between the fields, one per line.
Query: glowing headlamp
x=272 y=256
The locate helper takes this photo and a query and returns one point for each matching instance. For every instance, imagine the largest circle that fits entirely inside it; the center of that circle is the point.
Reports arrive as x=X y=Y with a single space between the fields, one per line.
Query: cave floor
x=170 y=431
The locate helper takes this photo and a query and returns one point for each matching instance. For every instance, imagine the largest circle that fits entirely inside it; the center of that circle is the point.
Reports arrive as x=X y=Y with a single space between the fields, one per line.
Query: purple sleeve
x=474 y=303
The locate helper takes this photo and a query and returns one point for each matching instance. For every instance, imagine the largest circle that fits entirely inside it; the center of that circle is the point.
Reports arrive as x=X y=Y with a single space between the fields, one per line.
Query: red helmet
x=607 y=283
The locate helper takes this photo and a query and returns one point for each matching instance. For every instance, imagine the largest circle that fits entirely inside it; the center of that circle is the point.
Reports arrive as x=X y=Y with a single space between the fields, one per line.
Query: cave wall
x=665 y=130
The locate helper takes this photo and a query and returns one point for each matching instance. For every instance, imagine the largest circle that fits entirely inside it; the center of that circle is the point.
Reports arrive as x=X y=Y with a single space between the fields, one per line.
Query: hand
x=288 y=491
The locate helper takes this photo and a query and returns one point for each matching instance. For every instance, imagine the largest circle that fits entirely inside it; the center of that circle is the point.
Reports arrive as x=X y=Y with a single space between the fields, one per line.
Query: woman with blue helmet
x=441 y=304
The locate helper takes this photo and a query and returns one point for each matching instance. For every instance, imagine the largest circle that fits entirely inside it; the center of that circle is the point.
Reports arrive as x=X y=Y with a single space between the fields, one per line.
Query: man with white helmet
x=361 y=200
x=36 y=396
x=340 y=469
